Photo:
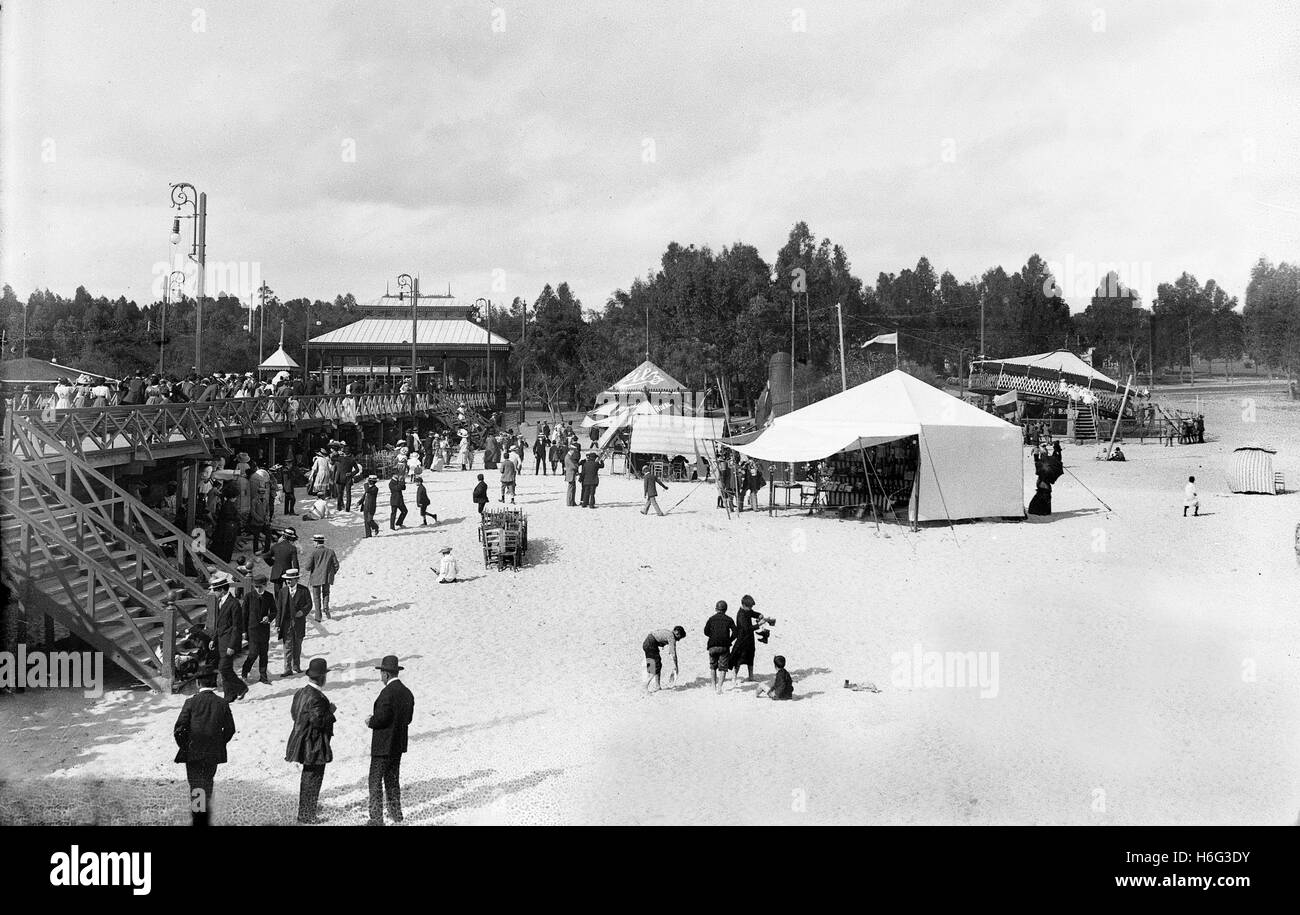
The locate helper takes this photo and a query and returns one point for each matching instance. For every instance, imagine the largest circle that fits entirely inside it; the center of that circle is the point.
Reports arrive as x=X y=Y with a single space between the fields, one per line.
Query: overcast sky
x=572 y=141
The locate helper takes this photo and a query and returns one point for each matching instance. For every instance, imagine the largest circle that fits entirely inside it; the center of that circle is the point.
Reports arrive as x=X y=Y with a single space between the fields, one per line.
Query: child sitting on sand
x=782 y=686
x=448 y=569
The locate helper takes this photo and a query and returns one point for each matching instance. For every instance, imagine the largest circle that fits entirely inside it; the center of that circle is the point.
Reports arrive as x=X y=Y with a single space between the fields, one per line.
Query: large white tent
x=971 y=463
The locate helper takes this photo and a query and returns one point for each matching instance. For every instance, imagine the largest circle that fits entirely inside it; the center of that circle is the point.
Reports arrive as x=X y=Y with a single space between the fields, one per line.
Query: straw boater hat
x=220 y=580
x=445 y=549
x=290 y=573
x=319 y=538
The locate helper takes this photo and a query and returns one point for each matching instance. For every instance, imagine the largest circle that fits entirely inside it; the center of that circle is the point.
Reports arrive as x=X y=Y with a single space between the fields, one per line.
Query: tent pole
x=1118 y=419
x=874 y=514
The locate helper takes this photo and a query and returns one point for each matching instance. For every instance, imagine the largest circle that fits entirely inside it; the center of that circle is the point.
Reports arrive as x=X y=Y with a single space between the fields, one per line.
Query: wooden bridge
x=81 y=551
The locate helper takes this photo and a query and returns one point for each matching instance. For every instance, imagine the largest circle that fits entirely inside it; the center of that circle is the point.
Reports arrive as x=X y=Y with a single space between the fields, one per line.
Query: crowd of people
x=296 y=584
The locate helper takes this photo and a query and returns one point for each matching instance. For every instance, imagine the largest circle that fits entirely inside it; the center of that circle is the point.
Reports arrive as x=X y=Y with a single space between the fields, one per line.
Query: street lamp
x=487 y=310
x=176 y=276
x=404 y=282
x=184 y=194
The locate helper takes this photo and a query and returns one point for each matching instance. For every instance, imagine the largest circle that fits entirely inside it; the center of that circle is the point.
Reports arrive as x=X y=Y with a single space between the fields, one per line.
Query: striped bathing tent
x=1251 y=469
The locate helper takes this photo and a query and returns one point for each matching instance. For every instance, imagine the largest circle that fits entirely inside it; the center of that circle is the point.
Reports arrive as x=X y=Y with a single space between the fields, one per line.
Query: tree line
x=716 y=317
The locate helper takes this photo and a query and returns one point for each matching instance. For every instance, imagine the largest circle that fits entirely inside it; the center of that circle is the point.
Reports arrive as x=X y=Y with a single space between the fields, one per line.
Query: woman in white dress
x=63 y=394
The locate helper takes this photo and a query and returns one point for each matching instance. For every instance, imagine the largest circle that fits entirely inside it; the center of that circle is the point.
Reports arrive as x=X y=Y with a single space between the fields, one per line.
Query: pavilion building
x=451 y=351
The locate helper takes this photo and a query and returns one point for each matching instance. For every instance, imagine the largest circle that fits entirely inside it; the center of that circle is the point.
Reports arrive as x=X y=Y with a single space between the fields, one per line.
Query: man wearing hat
x=259 y=609
x=394 y=708
x=202 y=730
x=320 y=566
x=309 y=741
x=396 y=502
x=293 y=604
x=369 y=503
x=589 y=477
x=227 y=627
x=282 y=555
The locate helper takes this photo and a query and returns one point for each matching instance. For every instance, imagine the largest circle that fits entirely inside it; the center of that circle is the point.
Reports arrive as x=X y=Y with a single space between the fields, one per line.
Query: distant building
x=451 y=352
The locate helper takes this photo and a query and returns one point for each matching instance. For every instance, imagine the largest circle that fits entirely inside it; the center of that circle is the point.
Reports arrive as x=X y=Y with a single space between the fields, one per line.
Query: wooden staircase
x=1085 y=424
x=83 y=551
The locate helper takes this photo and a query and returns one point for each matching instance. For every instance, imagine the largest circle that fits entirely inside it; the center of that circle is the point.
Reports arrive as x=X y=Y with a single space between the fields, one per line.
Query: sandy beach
x=1147 y=667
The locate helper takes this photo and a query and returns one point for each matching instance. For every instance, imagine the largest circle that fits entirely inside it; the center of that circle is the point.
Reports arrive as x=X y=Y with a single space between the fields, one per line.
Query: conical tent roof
x=647 y=376
x=279 y=360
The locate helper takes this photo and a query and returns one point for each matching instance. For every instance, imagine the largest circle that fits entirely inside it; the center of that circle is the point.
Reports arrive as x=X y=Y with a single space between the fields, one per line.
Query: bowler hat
x=317 y=667
x=389 y=664
x=720 y=605
x=259 y=578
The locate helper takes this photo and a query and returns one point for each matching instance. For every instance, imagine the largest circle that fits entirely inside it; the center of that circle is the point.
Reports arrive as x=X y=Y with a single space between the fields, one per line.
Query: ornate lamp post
x=175 y=277
x=487 y=311
x=183 y=194
x=407 y=283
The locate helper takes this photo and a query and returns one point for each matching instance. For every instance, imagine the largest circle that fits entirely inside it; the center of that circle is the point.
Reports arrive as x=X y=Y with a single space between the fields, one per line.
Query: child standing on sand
x=721 y=630
x=1190 y=498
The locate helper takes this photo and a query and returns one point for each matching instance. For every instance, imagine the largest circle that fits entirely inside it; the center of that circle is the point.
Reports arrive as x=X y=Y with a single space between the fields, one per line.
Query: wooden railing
x=1042 y=387
x=141 y=430
x=81 y=483
x=105 y=596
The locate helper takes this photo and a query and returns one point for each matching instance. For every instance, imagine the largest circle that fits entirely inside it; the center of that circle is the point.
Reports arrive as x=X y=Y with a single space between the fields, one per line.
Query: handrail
x=141 y=516
x=144 y=427
x=121 y=587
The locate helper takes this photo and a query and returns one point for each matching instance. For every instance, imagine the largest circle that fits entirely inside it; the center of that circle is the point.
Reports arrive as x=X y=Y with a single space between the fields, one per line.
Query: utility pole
x=647 y=333
x=844 y=376
x=982 y=351
x=415 y=326
x=523 y=339
x=25 y=342
x=261 y=327
x=792 y=352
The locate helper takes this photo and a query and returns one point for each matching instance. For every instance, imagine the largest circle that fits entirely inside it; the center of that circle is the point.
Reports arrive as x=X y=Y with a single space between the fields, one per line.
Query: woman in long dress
x=464 y=450
x=1041 y=503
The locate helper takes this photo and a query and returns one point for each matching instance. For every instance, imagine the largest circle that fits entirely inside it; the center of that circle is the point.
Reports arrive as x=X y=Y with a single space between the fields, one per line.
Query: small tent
x=656 y=407
x=971 y=464
x=278 y=361
x=1250 y=469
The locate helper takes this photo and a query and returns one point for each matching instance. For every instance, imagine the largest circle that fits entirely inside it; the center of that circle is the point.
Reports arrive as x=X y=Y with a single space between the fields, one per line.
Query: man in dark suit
x=589 y=476
x=283 y=555
x=396 y=502
x=259 y=610
x=392 y=716
x=369 y=504
x=203 y=729
x=309 y=741
x=292 y=606
x=228 y=629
